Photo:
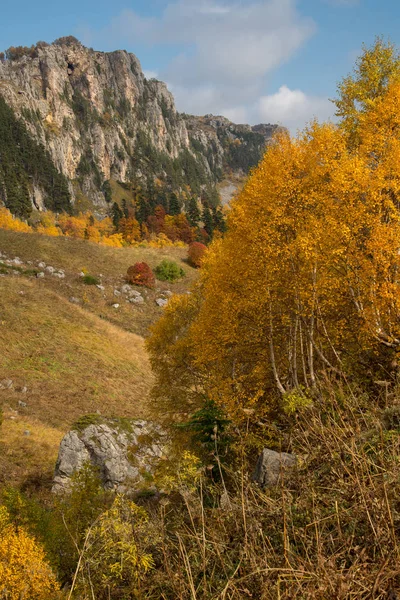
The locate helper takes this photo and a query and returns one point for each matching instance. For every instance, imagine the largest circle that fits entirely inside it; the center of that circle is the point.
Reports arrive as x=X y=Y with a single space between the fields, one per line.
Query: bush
x=90 y=279
x=196 y=253
x=168 y=270
x=141 y=274
x=24 y=572
x=113 y=564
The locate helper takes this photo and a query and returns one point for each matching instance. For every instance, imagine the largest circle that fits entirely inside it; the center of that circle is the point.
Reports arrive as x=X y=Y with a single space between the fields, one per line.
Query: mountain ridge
x=100 y=119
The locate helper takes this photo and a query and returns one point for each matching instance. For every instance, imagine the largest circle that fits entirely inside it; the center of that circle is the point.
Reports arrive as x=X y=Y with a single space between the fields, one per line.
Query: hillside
x=100 y=121
x=65 y=350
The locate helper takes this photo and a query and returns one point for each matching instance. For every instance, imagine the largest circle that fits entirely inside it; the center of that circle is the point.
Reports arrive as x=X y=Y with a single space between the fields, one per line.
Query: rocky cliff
x=101 y=120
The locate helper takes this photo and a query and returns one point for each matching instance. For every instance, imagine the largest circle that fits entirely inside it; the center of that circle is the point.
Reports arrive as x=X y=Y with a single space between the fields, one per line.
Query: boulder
x=161 y=302
x=271 y=465
x=125 y=452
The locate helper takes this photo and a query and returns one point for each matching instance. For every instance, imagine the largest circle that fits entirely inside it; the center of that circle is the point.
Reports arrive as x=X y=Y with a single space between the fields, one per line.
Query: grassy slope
x=74 y=359
x=112 y=263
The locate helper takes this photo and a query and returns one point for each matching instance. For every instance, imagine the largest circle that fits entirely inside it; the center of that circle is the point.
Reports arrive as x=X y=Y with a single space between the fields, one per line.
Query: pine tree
x=193 y=212
x=219 y=222
x=125 y=209
x=208 y=221
x=174 y=207
x=117 y=215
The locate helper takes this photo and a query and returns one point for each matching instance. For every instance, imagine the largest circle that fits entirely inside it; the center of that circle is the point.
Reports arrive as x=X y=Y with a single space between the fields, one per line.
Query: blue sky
x=251 y=60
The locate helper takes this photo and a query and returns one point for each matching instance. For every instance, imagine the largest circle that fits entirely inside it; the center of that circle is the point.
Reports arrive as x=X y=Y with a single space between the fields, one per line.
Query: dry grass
x=28 y=448
x=71 y=361
x=110 y=263
x=74 y=359
x=73 y=255
x=329 y=531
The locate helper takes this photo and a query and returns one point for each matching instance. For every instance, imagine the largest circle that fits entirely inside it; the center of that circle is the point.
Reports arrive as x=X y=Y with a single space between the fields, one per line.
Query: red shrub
x=141 y=274
x=196 y=253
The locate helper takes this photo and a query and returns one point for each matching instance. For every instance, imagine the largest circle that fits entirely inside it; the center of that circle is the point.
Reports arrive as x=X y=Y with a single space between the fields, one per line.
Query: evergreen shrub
x=169 y=270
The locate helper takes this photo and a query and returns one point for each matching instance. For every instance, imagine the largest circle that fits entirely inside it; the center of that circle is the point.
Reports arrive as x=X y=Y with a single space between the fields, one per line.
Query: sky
x=253 y=61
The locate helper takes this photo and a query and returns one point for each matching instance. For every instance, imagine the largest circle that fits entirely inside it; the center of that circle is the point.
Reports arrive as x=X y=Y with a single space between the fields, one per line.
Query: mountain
x=88 y=127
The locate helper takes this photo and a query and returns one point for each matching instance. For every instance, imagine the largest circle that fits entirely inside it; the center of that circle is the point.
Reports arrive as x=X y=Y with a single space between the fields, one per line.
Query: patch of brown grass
x=71 y=361
x=110 y=263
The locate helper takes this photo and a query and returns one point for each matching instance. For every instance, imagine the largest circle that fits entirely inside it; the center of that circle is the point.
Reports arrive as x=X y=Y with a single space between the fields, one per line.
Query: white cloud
x=293 y=108
x=227 y=51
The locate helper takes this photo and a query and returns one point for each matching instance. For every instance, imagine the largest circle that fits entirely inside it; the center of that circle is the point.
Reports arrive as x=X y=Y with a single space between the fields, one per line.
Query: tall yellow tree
x=306 y=279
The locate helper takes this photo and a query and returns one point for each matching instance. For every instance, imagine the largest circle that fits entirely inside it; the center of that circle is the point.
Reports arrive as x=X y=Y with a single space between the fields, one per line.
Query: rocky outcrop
x=101 y=119
x=271 y=465
x=125 y=452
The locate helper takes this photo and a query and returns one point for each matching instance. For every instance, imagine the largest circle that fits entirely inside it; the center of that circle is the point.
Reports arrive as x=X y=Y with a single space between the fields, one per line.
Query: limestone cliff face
x=100 y=119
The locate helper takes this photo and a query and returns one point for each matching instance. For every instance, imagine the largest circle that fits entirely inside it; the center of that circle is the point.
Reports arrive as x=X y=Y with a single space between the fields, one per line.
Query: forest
x=24 y=162
x=289 y=341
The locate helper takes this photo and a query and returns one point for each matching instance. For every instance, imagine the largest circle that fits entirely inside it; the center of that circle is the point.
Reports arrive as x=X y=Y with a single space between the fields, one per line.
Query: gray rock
x=40 y=274
x=74 y=300
x=117 y=293
x=115 y=305
x=101 y=287
x=27 y=432
x=122 y=453
x=42 y=265
x=167 y=293
x=125 y=289
x=17 y=261
x=136 y=300
x=271 y=465
x=22 y=404
x=24 y=390
x=59 y=275
x=161 y=302
x=50 y=269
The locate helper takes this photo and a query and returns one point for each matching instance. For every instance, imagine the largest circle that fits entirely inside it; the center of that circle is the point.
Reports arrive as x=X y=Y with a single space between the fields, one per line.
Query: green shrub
x=90 y=279
x=168 y=270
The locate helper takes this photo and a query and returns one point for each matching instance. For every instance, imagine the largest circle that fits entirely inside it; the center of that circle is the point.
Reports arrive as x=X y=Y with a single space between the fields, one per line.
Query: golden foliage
x=86 y=226
x=307 y=277
x=24 y=572
x=7 y=221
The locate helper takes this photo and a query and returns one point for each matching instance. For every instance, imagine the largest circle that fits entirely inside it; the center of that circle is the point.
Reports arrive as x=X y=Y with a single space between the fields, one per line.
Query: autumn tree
x=373 y=72
x=130 y=229
x=305 y=282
